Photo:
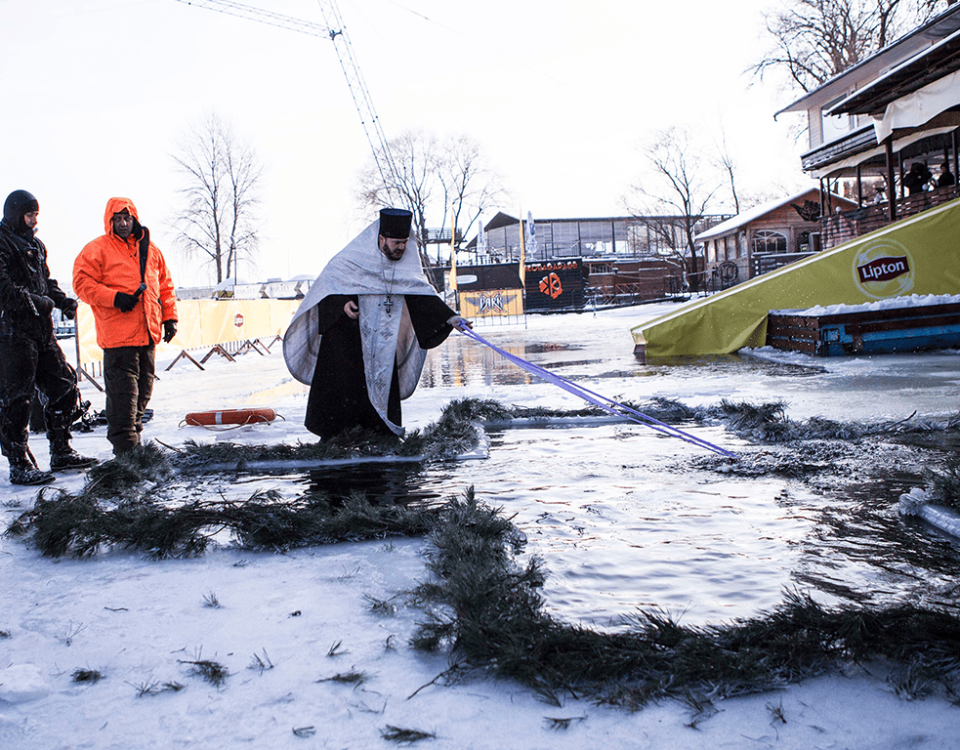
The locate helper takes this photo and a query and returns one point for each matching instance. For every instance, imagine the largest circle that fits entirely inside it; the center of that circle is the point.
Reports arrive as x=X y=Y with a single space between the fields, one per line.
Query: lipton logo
x=883 y=269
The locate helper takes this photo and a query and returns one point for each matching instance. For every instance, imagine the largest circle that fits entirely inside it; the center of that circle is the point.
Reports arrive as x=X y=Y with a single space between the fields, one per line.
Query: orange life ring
x=230 y=416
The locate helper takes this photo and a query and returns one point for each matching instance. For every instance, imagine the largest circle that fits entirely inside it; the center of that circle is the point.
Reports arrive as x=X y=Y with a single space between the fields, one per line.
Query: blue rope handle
x=607 y=404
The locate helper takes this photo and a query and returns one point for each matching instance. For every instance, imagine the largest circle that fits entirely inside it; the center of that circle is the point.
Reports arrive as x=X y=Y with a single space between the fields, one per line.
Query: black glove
x=125 y=302
x=169 y=330
x=69 y=308
x=43 y=305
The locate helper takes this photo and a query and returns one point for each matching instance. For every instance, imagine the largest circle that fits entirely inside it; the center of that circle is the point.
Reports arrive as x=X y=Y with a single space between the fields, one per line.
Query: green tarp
x=919 y=255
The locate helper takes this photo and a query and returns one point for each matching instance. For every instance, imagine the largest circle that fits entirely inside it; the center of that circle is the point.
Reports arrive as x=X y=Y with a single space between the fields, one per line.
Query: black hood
x=18 y=203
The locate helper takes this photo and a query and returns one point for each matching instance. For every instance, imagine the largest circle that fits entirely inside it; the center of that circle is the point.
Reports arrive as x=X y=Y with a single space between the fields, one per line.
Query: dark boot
x=63 y=457
x=64 y=460
x=24 y=472
x=123 y=449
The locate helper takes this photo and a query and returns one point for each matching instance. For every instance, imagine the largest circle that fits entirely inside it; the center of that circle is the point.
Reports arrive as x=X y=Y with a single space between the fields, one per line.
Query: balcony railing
x=848 y=225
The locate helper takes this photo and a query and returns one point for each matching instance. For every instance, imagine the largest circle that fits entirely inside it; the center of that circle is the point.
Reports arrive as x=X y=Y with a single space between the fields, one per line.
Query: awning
x=920 y=107
x=898 y=145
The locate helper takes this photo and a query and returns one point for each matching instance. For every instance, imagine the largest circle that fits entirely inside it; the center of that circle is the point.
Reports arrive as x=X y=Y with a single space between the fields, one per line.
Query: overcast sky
x=561 y=97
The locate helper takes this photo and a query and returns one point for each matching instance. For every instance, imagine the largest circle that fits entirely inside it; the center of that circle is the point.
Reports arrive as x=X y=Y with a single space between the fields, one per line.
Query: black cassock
x=338 y=398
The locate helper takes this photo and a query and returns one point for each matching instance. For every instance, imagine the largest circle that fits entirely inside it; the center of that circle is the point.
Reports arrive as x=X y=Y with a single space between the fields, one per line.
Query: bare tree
x=673 y=203
x=433 y=177
x=743 y=200
x=219 y=221
x=728 y=165
x=414 y=155
x=470 y=186
x=814 y=40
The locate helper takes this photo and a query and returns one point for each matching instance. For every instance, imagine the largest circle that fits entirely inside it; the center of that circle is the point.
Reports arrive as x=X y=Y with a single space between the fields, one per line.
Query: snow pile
x=22 y=683
x=893 y=303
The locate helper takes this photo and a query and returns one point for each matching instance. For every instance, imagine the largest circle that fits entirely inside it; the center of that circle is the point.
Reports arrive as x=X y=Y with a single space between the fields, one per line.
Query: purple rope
x=607 y=404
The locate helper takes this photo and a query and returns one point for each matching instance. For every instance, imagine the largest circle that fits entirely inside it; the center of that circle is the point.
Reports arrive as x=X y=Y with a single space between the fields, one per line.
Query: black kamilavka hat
x=395 y=223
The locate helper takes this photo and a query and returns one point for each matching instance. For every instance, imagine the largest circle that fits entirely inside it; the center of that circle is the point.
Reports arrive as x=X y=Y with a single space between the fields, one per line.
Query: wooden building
x=766 y=237
x=868 y=125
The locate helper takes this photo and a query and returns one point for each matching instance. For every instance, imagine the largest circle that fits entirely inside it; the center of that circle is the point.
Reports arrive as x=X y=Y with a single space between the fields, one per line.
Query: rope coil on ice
x=607 y=404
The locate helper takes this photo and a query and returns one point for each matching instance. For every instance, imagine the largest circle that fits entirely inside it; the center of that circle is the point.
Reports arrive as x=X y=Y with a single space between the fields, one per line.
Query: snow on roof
x=725 y=227
x=741 y=219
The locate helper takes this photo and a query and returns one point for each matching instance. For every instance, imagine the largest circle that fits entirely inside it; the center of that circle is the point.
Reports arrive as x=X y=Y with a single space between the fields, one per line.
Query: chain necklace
x=388 y=285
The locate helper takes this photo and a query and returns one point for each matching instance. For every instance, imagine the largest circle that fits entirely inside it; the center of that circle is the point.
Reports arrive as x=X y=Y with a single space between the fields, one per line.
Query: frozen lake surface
x=626 y=519
x=622 y=517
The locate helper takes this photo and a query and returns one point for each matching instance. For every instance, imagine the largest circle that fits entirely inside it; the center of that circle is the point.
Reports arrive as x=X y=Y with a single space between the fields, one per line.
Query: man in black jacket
x=31 y=360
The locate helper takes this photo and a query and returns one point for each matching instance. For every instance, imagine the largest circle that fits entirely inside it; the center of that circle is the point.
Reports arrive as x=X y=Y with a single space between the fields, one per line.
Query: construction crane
x=336 y=32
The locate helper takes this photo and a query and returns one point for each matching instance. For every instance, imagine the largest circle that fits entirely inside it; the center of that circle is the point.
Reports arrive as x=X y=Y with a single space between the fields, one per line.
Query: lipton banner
x=919 y=255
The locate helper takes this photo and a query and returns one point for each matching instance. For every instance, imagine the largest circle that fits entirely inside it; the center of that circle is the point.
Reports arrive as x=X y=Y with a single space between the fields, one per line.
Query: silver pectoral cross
x=388 y=303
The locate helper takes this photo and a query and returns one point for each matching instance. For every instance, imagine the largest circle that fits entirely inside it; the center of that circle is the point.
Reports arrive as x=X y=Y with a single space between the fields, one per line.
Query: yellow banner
x=492 y=303
x=203 y=324
x=919 y=255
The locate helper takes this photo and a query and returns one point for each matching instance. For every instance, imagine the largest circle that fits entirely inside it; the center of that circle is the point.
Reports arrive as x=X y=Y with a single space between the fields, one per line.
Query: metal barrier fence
x=224 y=327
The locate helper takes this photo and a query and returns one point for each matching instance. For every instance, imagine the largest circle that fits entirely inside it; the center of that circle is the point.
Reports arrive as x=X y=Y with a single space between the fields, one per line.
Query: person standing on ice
x=123 y=277
x=31 y=360
x=360 y=336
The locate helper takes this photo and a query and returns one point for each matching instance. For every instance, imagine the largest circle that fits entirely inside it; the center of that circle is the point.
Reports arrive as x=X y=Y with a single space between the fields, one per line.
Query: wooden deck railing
x=849 y=225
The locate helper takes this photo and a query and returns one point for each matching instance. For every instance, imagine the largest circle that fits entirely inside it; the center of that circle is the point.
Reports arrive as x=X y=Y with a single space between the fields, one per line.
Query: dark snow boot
x=62 y=456
x=67 y=459
x=27 y=473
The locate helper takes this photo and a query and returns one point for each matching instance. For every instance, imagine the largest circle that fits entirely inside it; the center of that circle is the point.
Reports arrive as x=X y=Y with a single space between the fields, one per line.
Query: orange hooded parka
x=108 y=265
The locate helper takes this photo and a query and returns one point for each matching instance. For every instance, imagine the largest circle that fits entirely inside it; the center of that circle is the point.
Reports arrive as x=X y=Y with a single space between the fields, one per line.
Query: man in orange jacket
x=125 y=280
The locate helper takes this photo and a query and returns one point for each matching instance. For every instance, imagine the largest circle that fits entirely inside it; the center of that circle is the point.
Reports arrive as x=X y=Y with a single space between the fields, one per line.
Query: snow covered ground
x=283 y=625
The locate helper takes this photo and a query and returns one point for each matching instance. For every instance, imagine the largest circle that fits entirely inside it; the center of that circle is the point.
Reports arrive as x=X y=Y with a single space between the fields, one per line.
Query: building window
x=768 y=241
